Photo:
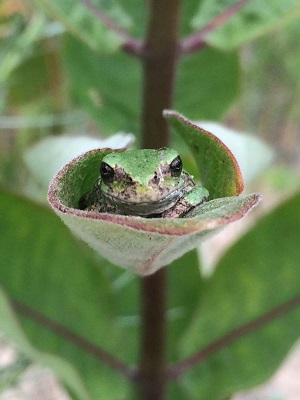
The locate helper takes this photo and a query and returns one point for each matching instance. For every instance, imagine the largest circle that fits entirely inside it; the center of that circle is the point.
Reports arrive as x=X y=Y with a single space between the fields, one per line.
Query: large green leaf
x=259 y=273
x=44 y=268
x=107 y=86
x=208 y=82
x=12 y=330
x=254 y=20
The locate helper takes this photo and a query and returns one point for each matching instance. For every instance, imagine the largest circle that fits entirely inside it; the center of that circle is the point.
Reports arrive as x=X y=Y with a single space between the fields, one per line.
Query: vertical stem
x=159 y=64
x=152 y=376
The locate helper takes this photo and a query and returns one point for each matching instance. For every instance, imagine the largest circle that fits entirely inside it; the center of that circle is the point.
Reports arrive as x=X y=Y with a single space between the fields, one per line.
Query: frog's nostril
x=156 y=179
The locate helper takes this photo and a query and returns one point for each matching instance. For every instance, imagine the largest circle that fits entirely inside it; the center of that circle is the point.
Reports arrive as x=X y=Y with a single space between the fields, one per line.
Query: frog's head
x=143 y=182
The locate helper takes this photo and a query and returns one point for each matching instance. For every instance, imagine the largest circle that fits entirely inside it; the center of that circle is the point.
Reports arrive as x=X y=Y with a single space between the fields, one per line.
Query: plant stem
x=159 y=65
x=152 y=377
x=160 y=55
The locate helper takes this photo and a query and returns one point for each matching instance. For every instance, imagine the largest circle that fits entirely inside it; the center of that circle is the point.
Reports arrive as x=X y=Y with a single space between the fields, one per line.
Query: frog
x=148 y=183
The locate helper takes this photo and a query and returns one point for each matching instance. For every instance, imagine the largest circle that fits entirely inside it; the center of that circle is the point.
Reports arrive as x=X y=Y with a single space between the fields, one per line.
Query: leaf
x=219 y=170
x=207 y=84
x=106 y=86
x=257 y=275
x=12 y=330
x=243 y=147
x=84 y=24
x=141 y=244
x=47 y=271
x=18 y=46
x=255 y=19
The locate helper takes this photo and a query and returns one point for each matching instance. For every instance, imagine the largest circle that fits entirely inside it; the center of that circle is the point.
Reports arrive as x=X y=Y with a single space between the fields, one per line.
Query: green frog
x=146 y=183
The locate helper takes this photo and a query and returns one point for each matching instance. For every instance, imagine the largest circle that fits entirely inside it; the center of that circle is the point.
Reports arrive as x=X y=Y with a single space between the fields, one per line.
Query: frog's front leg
x=186 y=203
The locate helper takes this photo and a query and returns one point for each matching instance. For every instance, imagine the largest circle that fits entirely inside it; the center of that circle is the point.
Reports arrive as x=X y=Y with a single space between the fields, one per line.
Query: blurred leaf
x=47 y=270
x=251 y=153
x=17 y=46
x=83 y=23
x=12 y=330
x=21 y=85
x=208 y=83
x=259 y=273
x=106 y=86
x=219 y=170
x=184 y=276
x=255 y=19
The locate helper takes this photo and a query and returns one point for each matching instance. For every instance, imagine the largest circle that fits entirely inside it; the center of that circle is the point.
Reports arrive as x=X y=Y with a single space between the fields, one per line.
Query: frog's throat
x=143 y=208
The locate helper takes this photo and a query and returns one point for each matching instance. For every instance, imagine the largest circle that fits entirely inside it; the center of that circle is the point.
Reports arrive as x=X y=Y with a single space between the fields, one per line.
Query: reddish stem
x=159 y=66
x=197 y=41
x=77 y=340
x=131 y=45
x=179 y=368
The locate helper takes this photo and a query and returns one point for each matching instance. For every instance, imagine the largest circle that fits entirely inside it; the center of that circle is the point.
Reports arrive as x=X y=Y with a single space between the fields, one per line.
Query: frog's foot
x=188 y=202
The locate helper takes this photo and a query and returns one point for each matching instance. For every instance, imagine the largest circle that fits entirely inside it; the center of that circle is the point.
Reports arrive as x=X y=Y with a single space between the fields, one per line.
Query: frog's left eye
x=107 y=173
x=176 y=167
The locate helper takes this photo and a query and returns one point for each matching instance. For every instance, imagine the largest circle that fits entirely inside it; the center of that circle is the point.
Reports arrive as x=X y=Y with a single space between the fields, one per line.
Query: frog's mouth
x=143 y=208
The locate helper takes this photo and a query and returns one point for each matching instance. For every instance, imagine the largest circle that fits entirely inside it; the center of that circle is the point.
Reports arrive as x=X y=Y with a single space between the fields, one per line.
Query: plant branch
x=197 y=40
x=179 y=368
x=131 y=45
x=77 y=340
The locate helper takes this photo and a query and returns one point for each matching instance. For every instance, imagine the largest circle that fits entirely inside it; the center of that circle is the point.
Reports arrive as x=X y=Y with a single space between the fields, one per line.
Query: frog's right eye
x=107 y=173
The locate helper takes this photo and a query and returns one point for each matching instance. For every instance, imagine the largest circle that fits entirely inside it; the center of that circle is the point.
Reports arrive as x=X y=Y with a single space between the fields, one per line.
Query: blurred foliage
x=63 y=71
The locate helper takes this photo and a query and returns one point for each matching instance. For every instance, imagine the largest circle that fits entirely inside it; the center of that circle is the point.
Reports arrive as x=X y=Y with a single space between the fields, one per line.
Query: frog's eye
x=176 y=167
x=107 y=173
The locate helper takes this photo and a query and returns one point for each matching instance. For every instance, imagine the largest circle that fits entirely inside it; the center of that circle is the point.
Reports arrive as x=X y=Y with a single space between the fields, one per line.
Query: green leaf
x=243 y=146
x=83 y=23
x=17 y=47
x=255 y=19
x=12 y=330
x=106 y=86
x=207 y=84
x=219 y=170
x=48 y=271
x=259 y=273
x=141 y=244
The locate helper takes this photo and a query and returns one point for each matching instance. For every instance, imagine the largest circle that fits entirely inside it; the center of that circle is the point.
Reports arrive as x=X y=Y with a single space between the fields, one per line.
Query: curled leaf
x=251 y=153
x=219 y=170
x=142 y=245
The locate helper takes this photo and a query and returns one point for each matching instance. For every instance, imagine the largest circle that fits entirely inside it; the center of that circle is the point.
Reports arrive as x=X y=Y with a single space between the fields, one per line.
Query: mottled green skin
x=145 y=185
